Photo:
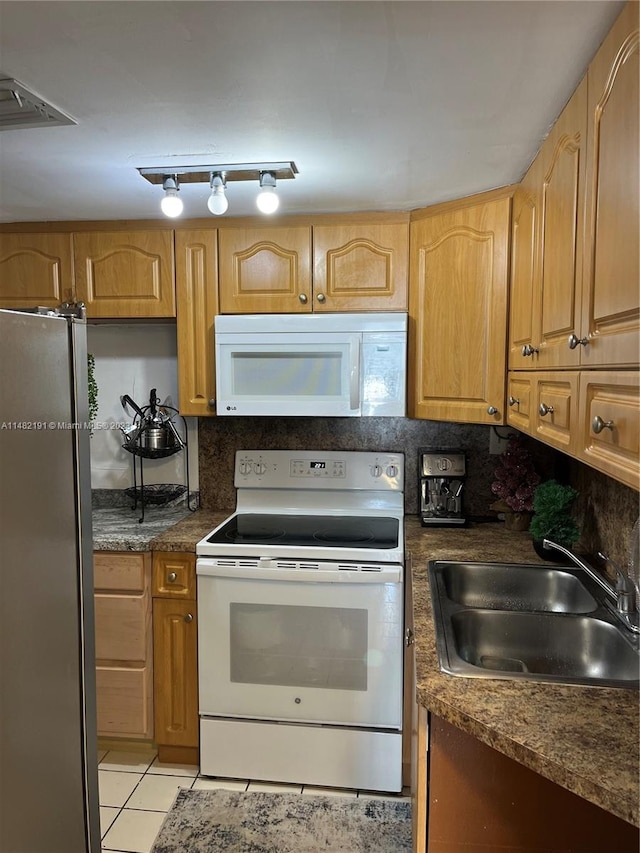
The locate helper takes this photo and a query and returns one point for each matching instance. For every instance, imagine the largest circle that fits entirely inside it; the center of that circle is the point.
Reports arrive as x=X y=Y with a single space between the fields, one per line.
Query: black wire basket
x=157 y=493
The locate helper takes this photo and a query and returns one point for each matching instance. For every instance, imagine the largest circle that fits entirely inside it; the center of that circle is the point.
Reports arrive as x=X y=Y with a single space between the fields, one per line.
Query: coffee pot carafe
x=441 y=480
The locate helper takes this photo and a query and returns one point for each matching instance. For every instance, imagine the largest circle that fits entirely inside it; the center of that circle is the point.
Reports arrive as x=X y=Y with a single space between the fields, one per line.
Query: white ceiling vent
x=20 y=108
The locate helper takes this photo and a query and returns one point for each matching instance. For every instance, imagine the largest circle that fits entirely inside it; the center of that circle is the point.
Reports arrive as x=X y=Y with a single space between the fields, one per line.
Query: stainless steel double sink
x=529 y=622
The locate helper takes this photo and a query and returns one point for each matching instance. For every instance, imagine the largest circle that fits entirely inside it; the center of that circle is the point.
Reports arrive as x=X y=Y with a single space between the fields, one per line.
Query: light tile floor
x=136 y=791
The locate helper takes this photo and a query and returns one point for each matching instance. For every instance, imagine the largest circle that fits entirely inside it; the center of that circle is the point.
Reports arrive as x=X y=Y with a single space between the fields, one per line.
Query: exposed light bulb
x=218 y=202
x=267 y=200
x=171 y=205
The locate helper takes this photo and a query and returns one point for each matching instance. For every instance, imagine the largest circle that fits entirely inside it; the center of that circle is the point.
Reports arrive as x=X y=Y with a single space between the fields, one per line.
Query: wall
x=132 y=359
x=219 y=438
x=606 y=511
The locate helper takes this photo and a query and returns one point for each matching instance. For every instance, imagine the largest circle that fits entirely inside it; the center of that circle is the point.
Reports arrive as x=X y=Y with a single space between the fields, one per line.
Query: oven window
x=299 y=646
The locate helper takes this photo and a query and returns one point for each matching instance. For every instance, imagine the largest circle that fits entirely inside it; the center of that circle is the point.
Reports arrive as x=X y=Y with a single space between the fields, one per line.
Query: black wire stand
x=154 y=494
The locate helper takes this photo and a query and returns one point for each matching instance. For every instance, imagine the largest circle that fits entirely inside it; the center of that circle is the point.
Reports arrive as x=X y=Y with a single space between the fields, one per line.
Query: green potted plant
x=552 y=518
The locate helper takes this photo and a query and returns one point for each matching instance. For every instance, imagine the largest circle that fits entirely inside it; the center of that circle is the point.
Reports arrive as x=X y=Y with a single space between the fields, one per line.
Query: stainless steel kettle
x=154 y=429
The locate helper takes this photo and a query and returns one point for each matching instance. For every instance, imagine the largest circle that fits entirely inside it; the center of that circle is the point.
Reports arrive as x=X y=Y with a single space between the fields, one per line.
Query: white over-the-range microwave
x=327 y=365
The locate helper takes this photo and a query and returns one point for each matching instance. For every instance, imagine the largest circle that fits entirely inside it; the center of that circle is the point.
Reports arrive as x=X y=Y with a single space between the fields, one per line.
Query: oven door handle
x=210 y=568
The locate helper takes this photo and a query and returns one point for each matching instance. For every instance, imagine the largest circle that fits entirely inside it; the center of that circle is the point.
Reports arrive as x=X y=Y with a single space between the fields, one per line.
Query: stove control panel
x=291 y=469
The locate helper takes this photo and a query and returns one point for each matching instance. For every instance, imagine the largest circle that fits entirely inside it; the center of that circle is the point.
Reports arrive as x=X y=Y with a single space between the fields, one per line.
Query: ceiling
x=381 y=105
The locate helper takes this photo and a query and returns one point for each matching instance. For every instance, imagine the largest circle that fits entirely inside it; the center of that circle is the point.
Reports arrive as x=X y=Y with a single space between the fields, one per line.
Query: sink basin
x=576 y=648
x=512 y=587
x=533 y=623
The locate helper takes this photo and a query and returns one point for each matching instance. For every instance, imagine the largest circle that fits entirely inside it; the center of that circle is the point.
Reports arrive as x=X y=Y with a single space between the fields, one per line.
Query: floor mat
x=218 y=820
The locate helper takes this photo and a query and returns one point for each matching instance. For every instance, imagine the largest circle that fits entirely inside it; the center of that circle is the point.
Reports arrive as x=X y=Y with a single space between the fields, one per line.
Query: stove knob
x=376 y=471
x=245 y=467
x=392 y=471
x=259 y=468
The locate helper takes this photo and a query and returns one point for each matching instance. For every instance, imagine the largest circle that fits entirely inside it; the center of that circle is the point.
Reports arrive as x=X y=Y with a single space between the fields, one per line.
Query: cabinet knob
x=321 y=297
x=574 y=341
x=543 y=410
x=211 y=403
x=514 y=401
x=303 y=298
x=491 y=410
x=597 y=425
x=188 y=618
x=528 y=350
x=172 y=577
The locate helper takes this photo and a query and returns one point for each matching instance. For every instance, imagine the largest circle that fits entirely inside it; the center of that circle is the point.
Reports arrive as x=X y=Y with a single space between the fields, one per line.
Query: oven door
x=303 y=645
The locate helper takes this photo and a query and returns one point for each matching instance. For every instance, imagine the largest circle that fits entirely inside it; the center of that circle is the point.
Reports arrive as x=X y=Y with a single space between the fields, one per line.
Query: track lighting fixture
x=267 y=200
x=266 y=174
x=218 y=201
x=171 y=205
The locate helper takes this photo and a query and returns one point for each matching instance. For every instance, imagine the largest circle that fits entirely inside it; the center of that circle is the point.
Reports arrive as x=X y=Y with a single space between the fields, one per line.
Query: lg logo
x=231 y=408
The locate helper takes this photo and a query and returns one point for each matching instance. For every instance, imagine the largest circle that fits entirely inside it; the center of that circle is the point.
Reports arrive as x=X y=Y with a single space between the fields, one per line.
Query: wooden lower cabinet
x=175 y=651
x=124 y=658
x=479 y=800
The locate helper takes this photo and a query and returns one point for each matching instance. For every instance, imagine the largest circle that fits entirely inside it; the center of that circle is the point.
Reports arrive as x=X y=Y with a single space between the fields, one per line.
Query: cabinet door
x=556 y=410
x=458 y=311
x=610 y=423
x=360 y=267
x=125 y=273
x=35 y=269
x=196 y=305
x=611 y=305
x=175 y=672
x=563 y=161
x=265 y=270
x=525 y=282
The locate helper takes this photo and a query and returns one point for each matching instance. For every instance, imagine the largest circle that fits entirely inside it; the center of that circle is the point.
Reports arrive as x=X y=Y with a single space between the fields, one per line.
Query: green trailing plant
x=552 y=519
x=92 y=389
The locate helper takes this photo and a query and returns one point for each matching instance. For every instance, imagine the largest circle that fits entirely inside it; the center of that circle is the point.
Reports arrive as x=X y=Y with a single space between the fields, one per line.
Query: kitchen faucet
x=624 y=592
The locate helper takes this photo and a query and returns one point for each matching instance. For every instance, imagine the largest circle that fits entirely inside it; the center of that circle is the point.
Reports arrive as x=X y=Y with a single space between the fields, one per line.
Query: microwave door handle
x=354 y=376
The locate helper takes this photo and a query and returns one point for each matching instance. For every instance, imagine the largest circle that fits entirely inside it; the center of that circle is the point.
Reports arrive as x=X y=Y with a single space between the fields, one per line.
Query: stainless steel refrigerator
x=48 y=751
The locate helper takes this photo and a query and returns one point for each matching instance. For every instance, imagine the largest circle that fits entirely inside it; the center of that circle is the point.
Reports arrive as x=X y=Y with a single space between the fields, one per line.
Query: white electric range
x=300 y=622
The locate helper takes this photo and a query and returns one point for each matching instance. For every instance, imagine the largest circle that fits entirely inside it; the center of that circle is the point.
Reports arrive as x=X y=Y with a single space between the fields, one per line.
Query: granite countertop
x=117 y=528
x=583 y=738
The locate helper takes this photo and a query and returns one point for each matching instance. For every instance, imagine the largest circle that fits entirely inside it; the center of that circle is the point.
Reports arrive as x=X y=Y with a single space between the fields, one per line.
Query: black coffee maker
x=441 y=476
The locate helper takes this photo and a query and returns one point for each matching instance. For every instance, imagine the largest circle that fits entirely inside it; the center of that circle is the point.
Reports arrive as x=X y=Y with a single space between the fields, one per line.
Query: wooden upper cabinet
x=609 y=432
x=525 y=241
x=361 y=266
x=458 y=311
x=125 y=273
x=265 y=270
x=563 y=162
x=35 y=269
x=197 y=305
x=611 y=304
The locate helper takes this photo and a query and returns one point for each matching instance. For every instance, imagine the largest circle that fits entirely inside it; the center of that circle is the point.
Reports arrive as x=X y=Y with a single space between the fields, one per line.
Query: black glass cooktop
x=309 y=531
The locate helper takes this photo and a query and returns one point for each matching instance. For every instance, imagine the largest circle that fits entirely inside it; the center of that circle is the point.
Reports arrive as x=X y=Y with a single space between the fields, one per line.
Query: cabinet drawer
x=519 y=400
x=556 y=414
x=122 y=627
x=174 y=575
x=115 y=570
x=124 y=701
x=610 y=423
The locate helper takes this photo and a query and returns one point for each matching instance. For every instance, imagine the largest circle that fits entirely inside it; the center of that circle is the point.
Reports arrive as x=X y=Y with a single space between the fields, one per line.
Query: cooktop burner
x=309 y=530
